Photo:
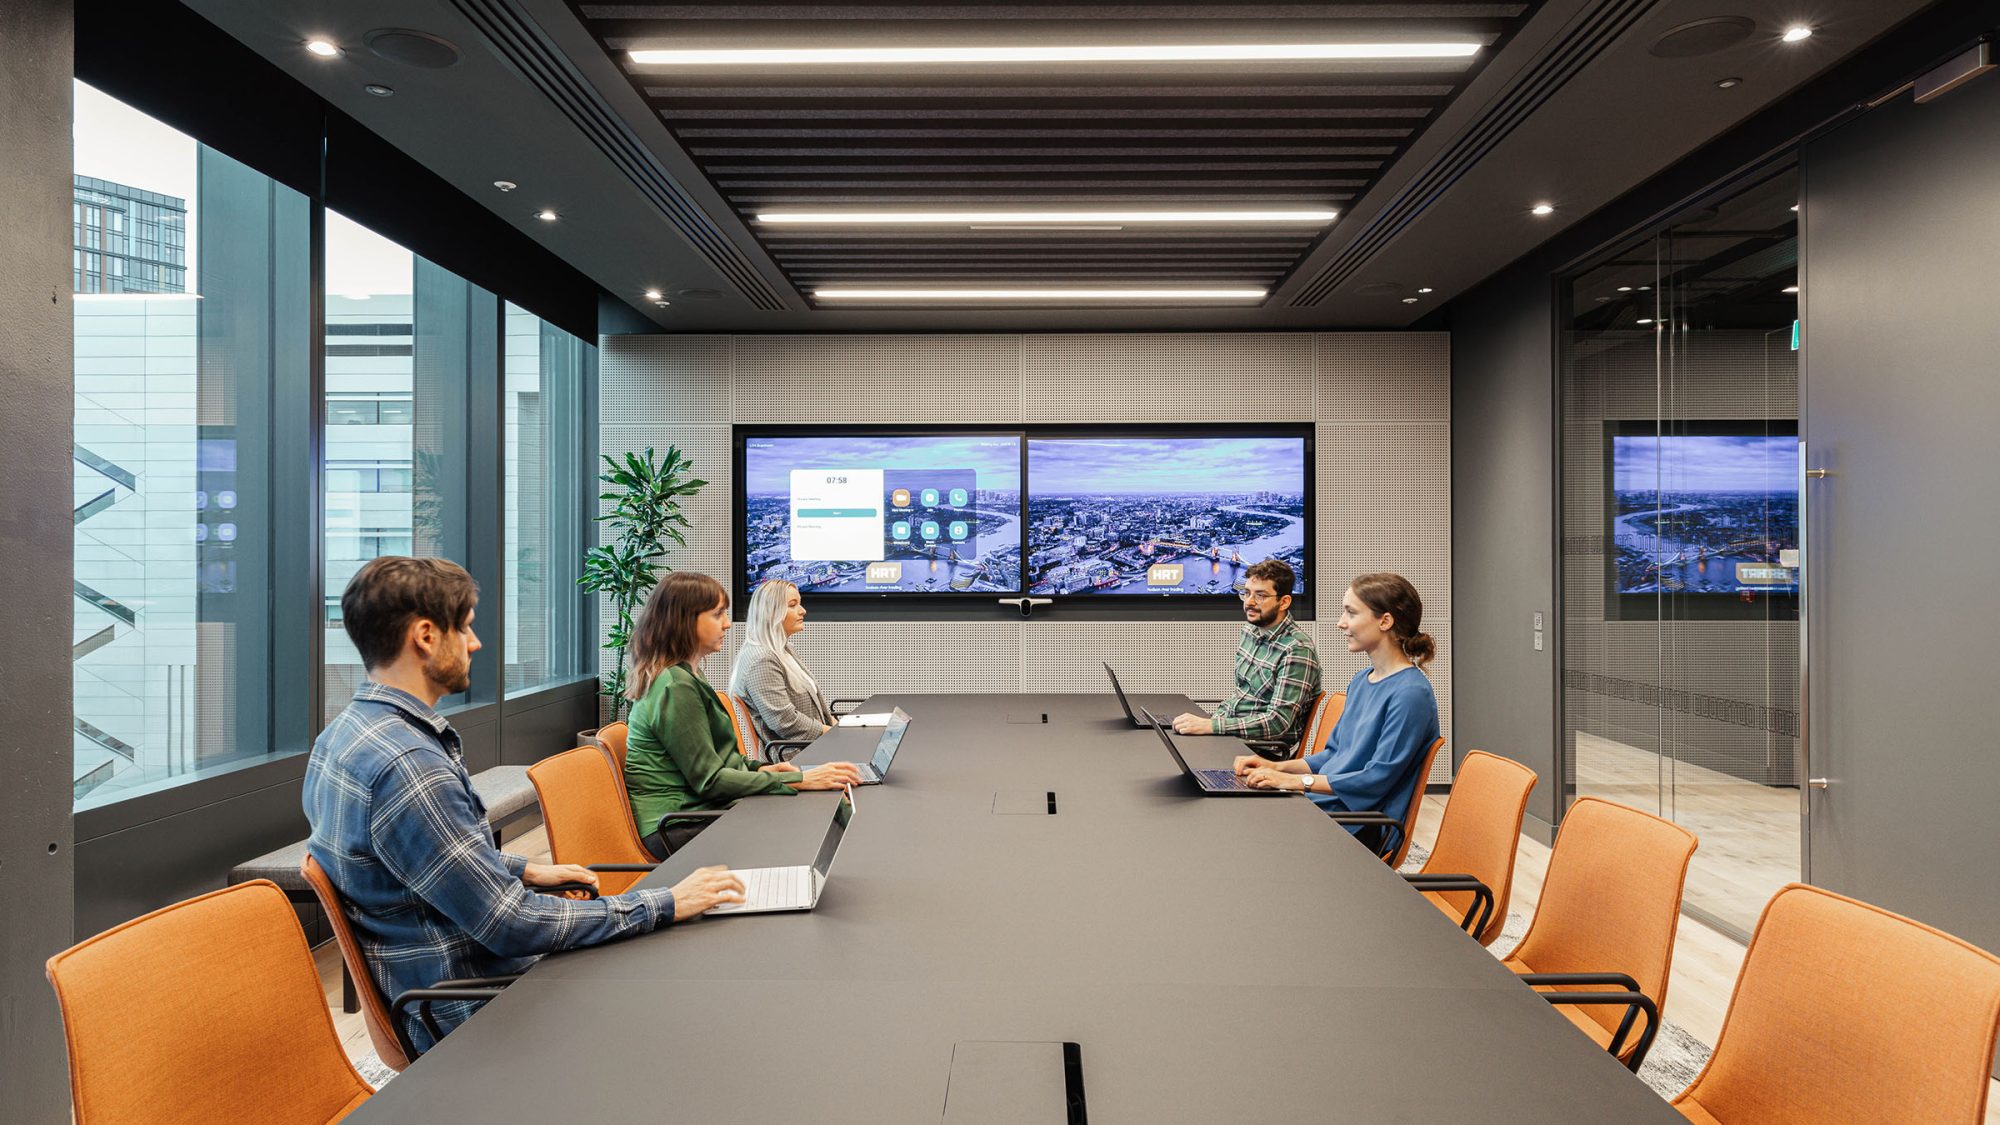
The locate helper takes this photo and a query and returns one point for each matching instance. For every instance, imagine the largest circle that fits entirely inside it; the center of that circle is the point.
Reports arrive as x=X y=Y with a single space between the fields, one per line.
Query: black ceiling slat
x=1282 y=134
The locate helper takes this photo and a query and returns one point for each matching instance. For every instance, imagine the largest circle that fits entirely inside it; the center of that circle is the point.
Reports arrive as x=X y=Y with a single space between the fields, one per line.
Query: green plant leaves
x=644 y=492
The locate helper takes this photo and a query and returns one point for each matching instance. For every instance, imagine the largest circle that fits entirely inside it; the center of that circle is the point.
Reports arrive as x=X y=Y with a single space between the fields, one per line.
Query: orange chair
x=1610 y=905
x=1396 y=832
x=1320 y=719
x=611 y=740
x=1470 y=871
x=747 y=741
x=1847 y=1012
x=207 y=1010
x=589 y=819
x=392 y=1041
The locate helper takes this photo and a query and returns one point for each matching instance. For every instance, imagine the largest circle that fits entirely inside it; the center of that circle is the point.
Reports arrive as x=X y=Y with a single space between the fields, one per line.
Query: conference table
x=1037 y=918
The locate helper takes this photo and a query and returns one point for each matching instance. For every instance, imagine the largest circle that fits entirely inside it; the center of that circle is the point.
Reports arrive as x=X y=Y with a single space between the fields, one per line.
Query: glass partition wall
x=1680 y=477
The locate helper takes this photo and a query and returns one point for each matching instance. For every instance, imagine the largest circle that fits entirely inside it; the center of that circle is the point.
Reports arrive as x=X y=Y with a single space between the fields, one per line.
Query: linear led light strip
x=1186 y=52
x=931 y=294
x=967 y=218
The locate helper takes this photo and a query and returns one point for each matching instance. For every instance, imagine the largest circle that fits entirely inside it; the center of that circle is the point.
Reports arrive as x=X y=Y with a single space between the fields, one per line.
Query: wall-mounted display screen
x=1711 y=509
x=882 y=513
x=1161 y=515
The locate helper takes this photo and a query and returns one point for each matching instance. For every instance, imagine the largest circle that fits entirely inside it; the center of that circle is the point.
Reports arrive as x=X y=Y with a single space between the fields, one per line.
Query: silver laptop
x=875 y=771
x=770 y=889
x=1214 y=783
x=1163 y=702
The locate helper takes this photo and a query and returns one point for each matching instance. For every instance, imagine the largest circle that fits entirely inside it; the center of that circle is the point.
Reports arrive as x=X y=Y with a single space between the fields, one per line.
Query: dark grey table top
x=1213 y=959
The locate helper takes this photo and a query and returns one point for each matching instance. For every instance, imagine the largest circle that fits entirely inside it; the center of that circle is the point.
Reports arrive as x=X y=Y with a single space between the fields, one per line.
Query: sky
x=1705 y=463
x=768 y=462
x=1164 y=465
x=118 y=143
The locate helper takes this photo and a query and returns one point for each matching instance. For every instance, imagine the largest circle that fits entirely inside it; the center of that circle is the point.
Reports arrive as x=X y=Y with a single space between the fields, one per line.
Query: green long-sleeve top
x=681 y=752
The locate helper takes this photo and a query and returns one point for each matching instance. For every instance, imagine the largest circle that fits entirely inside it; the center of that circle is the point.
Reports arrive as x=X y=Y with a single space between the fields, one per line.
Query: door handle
x=1819 y=782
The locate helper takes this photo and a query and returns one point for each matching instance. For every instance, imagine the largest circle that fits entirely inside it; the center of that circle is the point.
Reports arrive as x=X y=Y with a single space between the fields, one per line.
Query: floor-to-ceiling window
x=548 y=373
x=191 y=301
x=402 y=339
x=1680 y=479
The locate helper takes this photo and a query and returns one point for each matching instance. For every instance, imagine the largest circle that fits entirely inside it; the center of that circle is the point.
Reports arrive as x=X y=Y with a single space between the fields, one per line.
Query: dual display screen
x=1008 y=514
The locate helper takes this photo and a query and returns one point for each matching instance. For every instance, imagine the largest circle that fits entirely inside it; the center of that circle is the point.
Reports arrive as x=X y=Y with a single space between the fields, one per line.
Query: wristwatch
x=1306 y=784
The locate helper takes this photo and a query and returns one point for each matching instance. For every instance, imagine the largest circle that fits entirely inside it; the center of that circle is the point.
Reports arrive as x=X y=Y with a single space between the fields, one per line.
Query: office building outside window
x=547 y=373
x=184 y=356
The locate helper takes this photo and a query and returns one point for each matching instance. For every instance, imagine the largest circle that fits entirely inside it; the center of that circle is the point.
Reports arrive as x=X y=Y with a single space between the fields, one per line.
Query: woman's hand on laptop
x=705 y=889
x=1264 y=777
x=832 y=775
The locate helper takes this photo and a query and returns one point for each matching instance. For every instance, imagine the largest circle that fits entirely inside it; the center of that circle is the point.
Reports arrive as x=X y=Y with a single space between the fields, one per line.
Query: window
x=401 y=334
x=547 y=373
x=184 y=359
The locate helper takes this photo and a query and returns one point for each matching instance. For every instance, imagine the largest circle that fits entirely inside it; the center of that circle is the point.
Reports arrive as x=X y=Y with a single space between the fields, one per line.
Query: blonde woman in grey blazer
x=784 y=700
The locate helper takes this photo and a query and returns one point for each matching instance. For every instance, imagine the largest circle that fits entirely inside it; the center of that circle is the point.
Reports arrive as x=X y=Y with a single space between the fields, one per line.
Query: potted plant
x=645 y=493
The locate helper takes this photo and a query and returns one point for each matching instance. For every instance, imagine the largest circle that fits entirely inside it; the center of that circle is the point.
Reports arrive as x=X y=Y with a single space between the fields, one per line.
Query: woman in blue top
x=1390 y=717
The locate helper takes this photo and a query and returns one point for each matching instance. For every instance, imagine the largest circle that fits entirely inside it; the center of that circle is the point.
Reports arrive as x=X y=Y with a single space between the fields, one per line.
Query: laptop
x=1214 y=783
x=875 y=771
x=770 y=889
x=1163 y=702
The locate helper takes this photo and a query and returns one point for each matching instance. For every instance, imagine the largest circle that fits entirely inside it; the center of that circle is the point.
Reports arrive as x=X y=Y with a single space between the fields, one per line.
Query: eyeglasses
x=1254 y=596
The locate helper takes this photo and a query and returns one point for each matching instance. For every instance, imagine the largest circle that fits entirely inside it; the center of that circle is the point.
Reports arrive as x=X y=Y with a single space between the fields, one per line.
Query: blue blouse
x=1382 y=734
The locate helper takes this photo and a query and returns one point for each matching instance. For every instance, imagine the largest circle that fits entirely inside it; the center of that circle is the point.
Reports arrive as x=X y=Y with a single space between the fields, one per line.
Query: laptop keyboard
x=1220 y=779
x=773 y=888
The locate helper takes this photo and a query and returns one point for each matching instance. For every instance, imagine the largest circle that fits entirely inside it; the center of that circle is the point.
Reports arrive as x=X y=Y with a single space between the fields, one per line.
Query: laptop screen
x=842 y=813
x=1160 y=728
x=892 y=737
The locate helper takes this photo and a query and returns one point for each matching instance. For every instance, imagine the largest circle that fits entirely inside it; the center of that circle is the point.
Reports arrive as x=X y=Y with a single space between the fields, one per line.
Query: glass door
x=1679 y=394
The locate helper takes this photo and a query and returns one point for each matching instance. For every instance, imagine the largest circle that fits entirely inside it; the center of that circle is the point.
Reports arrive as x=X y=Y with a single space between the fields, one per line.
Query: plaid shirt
x=1277 y=679
x=397 y=827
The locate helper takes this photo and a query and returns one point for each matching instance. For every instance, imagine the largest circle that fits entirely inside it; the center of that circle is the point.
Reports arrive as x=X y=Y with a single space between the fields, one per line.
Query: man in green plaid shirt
x=1277 y=668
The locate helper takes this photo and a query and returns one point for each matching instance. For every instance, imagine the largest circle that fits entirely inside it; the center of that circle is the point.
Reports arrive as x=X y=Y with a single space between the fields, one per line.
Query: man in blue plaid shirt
x=397 y=827
x=1277 y=667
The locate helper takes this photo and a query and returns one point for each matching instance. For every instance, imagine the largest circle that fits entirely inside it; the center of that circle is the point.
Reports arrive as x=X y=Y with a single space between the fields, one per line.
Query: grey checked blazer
x=777 y=711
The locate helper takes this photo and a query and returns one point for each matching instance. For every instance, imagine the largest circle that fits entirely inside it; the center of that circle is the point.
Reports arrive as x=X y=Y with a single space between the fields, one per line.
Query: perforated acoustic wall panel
x=1380 y=402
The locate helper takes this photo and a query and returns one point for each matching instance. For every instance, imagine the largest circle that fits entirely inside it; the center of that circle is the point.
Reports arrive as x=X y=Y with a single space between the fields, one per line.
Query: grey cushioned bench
x=505 y=790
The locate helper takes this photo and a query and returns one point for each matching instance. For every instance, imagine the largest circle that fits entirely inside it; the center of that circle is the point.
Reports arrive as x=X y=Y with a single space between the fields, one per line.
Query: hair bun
x=1421 y=648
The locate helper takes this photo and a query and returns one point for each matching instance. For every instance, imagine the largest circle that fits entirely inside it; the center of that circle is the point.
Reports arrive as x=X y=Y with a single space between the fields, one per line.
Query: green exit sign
x=1795 y=335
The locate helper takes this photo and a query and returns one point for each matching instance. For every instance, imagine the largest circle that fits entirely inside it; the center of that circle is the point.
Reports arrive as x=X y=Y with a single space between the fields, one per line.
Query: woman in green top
x=681 y=752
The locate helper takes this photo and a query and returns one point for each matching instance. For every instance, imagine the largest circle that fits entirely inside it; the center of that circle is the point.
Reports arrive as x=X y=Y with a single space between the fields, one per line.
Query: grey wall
x=1503 y=526
x=35 y=550
x=1380 y=401
x=1901 y=258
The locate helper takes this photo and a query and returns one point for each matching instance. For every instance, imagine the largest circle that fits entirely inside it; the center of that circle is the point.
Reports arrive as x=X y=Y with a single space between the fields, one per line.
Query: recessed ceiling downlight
x=1032 y=53
x=324 y=48
x=1797 y=33
x=1542 y=209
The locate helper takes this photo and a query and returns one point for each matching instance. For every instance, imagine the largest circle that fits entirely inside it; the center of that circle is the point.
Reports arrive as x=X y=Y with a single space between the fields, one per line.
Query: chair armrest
x=1634 y=1003
x=622 y=866
x=1270 y=748
x=835 y=706
x=1560 y=979
x=688 y=814
x=422 y=999
x=480 y=982
x=1351 y=817
x=775 y=750
x=564 y=888
x=1482 y=897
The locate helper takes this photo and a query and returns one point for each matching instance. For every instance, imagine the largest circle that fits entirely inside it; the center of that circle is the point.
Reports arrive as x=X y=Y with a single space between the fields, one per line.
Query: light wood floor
x=1749 y=832
x=1706 y=960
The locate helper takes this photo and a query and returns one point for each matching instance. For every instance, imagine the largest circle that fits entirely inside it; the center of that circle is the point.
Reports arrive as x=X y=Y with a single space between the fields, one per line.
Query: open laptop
x=876 y=770
x=1163 y=702
x=1214 y=783
x=770 y=889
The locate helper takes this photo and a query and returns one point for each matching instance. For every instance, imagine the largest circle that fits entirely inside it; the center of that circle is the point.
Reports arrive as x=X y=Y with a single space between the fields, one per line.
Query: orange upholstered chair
x=1846 y=1012
x=611 y=740
x=207 y=1010
x=747 y=740
x=392 y=1042
x=589 y=819
x=1476 y=842
x=1609 y=908
x=1325 y=717
x=1396 y=838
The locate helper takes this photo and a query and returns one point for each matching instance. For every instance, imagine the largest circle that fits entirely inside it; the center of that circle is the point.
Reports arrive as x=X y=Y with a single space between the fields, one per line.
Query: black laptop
x=1214 y=783
x=1163 y=702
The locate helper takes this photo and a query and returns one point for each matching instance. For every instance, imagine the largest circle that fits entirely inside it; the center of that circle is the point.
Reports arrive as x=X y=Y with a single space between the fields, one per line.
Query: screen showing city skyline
x=884 y=513
x=1705 y=513
x=1163 y=515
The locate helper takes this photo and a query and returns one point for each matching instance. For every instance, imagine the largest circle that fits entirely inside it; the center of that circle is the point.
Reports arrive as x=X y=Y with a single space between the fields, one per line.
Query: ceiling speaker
x=412 y=48
x=1702 y=37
